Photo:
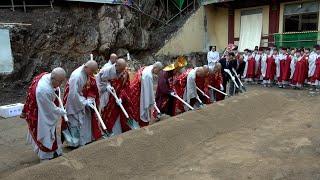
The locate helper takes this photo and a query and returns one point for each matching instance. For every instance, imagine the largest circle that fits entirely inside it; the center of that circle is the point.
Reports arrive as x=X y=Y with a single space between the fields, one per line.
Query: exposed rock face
x=67 y=35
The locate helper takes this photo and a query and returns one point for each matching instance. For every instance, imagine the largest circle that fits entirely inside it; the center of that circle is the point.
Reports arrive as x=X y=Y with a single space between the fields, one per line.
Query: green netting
x=297 y=39
x=180 y=3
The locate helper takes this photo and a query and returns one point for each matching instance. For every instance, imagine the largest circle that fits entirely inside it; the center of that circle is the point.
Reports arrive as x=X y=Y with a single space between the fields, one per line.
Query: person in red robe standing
x=250 y=71
x=285 y=60
x=271 y=68
x=301 y=67
x=315 y=79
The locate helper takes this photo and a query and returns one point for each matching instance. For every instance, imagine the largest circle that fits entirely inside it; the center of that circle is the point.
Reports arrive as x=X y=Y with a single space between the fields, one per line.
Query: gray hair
x=158 y=65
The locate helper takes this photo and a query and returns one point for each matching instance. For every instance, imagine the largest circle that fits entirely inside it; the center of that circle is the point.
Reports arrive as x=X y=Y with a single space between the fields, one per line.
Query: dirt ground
x=263 y=134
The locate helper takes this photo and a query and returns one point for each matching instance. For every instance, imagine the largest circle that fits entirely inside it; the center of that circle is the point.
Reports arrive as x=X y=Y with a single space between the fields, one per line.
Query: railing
x=297 y=39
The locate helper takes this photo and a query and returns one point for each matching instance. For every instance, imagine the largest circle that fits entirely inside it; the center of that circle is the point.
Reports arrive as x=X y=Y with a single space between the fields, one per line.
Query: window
x=301 y=17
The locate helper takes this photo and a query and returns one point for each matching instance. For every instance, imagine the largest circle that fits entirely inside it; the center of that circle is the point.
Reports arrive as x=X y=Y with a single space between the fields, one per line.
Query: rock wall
x=66 y=35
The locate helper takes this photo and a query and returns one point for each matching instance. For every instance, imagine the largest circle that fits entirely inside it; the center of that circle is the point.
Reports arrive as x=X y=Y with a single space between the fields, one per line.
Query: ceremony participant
x=264 y=58
x=141 y=96
x=270 y=68
x=312 y=64
x=81 y=92
x=249 y=72
x=213 y=56
x=42 y=113
x=216 y=81
x=107 y=73
x=257 y=58
x=164 y=100
x=190 y=92
x=241 y=64
x=285 y=61
x=202 y=83
x=300 y=70
x=113 y=77
x=112 y=60
x=315 y=78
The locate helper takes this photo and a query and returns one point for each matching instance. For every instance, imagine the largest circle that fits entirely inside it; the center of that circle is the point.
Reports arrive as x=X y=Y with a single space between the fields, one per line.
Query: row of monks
x=109 y=102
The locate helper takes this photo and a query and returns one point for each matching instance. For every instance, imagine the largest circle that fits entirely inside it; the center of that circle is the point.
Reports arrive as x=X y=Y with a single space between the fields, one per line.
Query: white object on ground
x=11 y=110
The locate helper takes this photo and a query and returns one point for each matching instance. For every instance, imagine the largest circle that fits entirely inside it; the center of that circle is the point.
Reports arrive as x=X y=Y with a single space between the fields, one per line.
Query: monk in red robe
x=216 y=81
x=202 y=83
x=81 y=92
x=315 y=79
x=250 y=67
x=140 y=100
x=285 y=59
x=42 y=113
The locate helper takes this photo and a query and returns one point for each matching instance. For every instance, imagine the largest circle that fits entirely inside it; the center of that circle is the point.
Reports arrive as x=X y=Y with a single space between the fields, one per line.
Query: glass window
x=301 y=22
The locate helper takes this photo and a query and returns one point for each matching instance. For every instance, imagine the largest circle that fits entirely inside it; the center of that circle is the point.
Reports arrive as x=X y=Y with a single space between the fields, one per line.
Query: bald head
x=200 y=72
x=90 y=67
x=113 y=58
x=58 y=75
x=206 y=69
x=121 y=65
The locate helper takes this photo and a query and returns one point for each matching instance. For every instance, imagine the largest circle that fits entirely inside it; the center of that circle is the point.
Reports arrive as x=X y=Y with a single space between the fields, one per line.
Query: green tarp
x=297 y=39
x=180 y=3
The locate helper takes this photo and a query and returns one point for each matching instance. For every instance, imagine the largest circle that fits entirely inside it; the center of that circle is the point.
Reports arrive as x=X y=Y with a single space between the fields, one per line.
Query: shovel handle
x=119 y=104
x=181 y=100
x=99 y=117
x=61 y=104
x=204 y=94
x=215 y=89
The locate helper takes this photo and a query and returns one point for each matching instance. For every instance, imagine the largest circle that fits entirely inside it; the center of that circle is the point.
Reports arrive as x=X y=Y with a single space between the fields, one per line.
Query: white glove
x=89 y=101
x=62 y=112
x=172 y=93
x=221 y=87
x=119 y=101
x=109 y=87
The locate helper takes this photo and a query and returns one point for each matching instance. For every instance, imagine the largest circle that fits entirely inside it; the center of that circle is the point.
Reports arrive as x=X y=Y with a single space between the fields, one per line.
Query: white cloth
x=293 y=65
x=249 y=36
x=190 y=90
x=264 y=65
x=213 y=57
x=106 y=74
x=277 y=59
x=147 y=98
x=78 y=113
x=109 y=63
x=312 y=63
x=48 y=117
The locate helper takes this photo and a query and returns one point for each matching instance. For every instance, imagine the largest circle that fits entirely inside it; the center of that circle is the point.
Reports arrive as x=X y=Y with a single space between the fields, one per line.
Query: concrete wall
x=190 y=38
x=217 y=26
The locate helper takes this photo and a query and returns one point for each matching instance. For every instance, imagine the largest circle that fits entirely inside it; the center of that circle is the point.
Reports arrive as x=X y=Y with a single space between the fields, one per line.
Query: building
x=249 y=23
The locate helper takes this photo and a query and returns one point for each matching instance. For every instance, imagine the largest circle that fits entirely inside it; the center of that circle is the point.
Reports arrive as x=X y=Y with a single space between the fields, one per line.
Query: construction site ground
x=266 y=133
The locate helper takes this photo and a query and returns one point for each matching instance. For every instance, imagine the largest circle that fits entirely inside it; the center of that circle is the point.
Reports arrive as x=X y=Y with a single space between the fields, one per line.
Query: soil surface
x=265 y=133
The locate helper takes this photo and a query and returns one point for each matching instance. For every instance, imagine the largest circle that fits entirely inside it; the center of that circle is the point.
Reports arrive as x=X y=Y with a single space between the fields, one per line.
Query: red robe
x=286 y=68
x=89 y=90
x=30 y=109
x=131 y=98
x=202 y=83
x=316 y=75
x=258 y=71
x=112 y=111
x=215 y=80
x=271 y=68
x=164 y=100
x=300 y=72
x=179 y=86
x=251 y=68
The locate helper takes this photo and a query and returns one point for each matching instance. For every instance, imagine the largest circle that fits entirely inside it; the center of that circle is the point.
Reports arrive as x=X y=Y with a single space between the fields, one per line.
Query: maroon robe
x=285 y=76
x=271 y=68
x=251 y=67
x=164 y=100
x=316 y=75
x=300 y=72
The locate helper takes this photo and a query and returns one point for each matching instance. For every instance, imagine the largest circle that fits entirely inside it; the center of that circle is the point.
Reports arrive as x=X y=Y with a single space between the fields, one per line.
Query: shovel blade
x=133 y=124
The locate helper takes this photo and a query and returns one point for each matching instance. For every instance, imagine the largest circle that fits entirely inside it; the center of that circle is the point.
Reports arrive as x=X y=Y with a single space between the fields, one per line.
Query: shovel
x=181 y=100
x=70 y=136
x=215 y=89
x=243 y=87
x=204 y=94
x=104 y=128
x=231 y=76
x=130 y=122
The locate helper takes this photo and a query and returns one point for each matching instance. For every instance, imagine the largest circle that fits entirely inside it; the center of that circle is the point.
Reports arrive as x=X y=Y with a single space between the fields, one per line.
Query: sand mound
x=141 y=152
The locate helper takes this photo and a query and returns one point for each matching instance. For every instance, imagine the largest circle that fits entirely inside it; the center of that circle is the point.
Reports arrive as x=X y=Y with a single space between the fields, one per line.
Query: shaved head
x=121 y=65
x=200 y=72
x=91 y=67
x=113 y=58
x=58 y=75
x=157 y=67
x=206 y=69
